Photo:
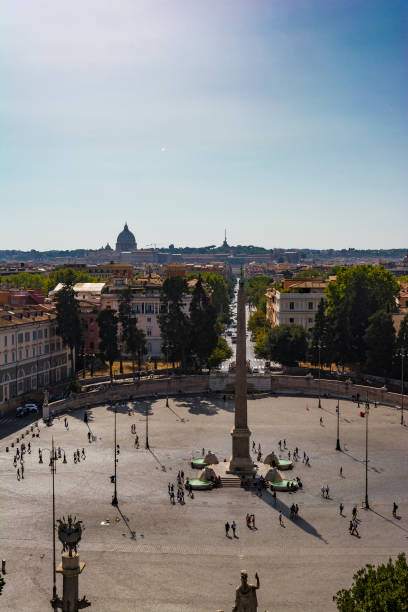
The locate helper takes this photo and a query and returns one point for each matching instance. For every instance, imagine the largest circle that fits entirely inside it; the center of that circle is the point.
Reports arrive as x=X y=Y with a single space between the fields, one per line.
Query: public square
x=180 y=558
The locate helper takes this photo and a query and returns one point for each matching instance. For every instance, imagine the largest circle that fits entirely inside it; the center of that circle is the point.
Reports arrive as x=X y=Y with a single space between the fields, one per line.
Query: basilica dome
x=126 y=240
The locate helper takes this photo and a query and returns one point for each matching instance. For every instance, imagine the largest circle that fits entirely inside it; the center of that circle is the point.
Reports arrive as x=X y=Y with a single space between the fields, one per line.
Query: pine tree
x=203 y=319
x=174 y=323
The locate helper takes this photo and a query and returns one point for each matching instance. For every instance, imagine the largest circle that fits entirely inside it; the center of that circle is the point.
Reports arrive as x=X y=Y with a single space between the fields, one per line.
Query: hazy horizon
x=285 y=122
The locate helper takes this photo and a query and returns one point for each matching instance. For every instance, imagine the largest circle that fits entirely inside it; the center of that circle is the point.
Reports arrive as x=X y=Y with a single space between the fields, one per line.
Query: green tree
x=108 y=333
x=134 y=339
x=402 y=338
x=221 y=293
x=321 y=334
x=380 y=342
x=68 y=322
x=203 y=320
x=174 y=324
x=286 y=344
x=352 y=299
x=255 y=289
x=377 y=589
x=221 y=353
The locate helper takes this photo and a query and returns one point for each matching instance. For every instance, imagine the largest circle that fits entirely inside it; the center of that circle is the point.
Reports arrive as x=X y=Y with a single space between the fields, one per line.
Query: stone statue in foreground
x=245 y=595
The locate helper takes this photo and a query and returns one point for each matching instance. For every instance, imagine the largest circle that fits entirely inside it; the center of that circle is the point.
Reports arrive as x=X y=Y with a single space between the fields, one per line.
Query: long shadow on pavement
x=207 y=406
x=280 y=506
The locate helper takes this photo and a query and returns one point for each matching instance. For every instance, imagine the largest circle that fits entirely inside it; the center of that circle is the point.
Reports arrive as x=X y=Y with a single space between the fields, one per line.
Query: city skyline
x=284 y=122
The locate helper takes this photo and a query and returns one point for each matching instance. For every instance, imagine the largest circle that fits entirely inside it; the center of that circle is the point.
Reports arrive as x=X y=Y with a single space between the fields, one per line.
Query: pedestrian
x=85 y=417
x=279 y=444
x=253 y=445
x=247 y=518
x=322 y=490
x=354 y=528
x=18 y=473
x=227 y=528
x=341 y=509
x=304 y=457
x=354 y=512
x=253 y=521
x=22 y=470
x=83 y=454
x=29 y=448
x=117 y=449
x=234 y=527
x=327 y=491
x=182 y=475
x=296 y=511
x=284 y=443
x=289 y=455
x=307 y=460
x=75 y=457
x=292 y=511
x=341 y=471
x=350 y=527
x=394 y=510
x=203 y=452
x=137 y=441
x=15 y=461
x=274 y=497
x=281 y=518
x=321 y=420
x=89 y=436
x=259 y=447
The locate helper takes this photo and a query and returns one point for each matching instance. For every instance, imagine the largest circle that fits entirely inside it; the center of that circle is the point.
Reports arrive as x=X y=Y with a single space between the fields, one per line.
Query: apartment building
x=296 y=303
x=32 y=355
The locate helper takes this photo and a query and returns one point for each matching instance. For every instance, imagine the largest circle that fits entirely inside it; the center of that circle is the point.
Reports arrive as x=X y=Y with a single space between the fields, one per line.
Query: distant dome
x=126 y=240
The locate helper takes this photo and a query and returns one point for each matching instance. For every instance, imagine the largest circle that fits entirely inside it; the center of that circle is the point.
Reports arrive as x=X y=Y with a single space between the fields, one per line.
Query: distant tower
x=225 y=243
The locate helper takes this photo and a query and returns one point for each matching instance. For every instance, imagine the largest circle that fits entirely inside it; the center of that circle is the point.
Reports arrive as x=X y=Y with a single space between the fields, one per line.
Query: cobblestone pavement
x=180 y=559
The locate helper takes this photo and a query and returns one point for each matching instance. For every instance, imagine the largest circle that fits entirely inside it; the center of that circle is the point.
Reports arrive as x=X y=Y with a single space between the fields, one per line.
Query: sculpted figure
x=245 y=595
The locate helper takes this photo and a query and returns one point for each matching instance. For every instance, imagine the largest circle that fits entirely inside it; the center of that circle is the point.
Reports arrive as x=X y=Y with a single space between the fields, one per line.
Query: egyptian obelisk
x=241 y=460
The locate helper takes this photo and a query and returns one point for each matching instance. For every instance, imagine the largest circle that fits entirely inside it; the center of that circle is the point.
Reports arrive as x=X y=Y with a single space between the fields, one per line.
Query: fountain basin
x=198 y=463
x=200 y=485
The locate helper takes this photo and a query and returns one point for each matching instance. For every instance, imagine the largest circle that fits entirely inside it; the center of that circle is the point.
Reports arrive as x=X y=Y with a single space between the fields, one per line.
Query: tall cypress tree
x=203 y=318
x=174 y=323
x=68 y=321
x=134 y=338
x=108 y=333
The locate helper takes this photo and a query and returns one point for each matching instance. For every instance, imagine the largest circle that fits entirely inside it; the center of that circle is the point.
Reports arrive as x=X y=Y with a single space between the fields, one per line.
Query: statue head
x=244 y=577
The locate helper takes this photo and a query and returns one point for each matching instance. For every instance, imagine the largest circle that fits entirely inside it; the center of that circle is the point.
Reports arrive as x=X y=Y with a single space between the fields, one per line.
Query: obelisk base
x=241 y=461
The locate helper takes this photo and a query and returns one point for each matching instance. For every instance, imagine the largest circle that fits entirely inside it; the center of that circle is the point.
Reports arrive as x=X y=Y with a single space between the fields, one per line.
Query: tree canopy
x=108 y=333
x=377 y=589
x=68 y=320
x=47 y=282
x=255 y=289
x=286 y=344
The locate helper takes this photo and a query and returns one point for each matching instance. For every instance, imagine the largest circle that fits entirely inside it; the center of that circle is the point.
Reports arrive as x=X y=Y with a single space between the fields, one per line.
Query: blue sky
x=284 y=121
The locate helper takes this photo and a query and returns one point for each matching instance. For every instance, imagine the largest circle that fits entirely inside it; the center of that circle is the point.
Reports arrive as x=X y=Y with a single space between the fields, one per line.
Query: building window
x=20 y=338
x=5 y=340
x=12 y=338
x=52 y=347
x=34 y=335
x=20 y=354
x=47 y=349
x=149 y=347
x=45 y=333
x=5 y=358
x=27 y=336
x=27 y=353
x=292 y=305
x=149 y=319
x=40 y=349
x=149 y=331
x=291 y=320
x=40 y=334
x=13 y=356
x=310 y=305
x=33 y=351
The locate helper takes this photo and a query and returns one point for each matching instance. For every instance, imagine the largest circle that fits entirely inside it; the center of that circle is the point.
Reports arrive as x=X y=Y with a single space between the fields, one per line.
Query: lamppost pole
x=338 y=447
x=402 y=385
x=115 y=493
x=167 y=363
x=367 y=505
x=319 y=346
x=147 y=427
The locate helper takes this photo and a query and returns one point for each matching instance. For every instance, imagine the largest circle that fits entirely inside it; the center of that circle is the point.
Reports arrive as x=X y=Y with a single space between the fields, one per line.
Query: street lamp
x=53 y=466
x=167 y=364
x=319 y=346
x=402 y=354
x=115 y=493
x=147 y=427
x=367 y=506
x=338 y=447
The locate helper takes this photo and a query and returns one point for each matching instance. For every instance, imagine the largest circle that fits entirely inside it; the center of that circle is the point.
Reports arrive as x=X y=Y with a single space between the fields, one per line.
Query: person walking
x=341 y=471
x=18 y=473
x=234 y=528
x=341 y=507
x=253 y=521
x=89 y=436
x=22 y=470
x=284 y=443
x=304 y=456
x=83 y=454
x=296 y=511
x=327 y=491
x=274 y=497
x=227 y=528
x=321 y=421
x=394 y=510
x=281 y=518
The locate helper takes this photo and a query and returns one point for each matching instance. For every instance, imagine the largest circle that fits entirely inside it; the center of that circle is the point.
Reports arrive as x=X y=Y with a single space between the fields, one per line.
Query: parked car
x=26 y=409
x=31 y=408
